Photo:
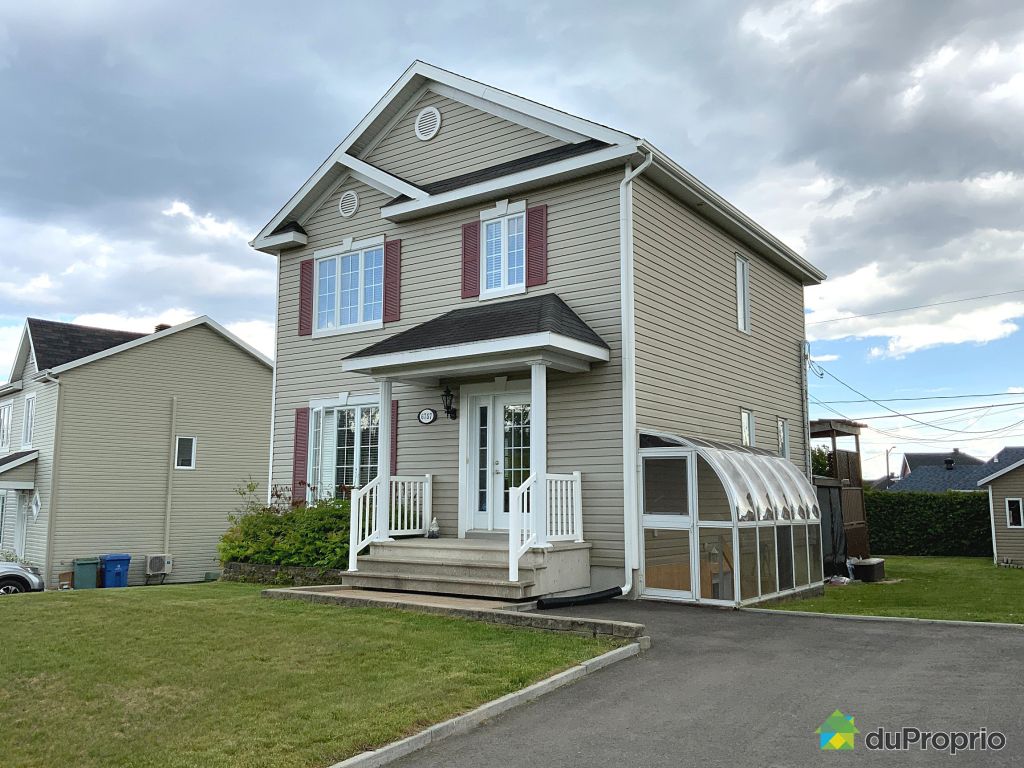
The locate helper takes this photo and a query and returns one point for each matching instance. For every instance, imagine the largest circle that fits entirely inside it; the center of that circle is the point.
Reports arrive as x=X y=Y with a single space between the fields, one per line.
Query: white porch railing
x=410 y=508
x=409 y=512
x=564 y=516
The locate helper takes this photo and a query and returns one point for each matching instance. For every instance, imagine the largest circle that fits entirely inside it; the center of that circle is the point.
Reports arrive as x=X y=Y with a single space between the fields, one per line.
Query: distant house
x=127 y=442
x=912 y=461
x=1005 y=485
x=936 y=479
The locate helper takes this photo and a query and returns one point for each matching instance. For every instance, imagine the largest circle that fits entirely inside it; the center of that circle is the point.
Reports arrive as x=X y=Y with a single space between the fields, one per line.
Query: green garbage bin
x=85 y=572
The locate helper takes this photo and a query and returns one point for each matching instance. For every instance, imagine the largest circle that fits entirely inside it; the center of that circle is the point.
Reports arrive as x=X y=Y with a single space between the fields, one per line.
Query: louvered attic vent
x=428 y=123
x=348 y=203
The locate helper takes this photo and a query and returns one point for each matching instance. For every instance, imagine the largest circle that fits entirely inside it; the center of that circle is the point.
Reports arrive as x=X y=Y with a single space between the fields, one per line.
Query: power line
x=940 y=410
x=912 y=399
x=918 y=306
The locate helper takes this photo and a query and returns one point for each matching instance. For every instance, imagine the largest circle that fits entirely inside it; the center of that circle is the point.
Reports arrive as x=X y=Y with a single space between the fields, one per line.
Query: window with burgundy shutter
x=300 y=457
x=306 y=298
x=506 y=252
x=471 y=259
x=392 y=280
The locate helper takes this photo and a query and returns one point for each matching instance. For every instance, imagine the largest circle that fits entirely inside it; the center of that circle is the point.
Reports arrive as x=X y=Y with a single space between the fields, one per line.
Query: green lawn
x=213 y=675
x=961 y=588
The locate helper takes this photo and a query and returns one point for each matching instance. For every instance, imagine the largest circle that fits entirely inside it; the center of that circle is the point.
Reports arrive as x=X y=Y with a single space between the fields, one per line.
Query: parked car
x=16 y=578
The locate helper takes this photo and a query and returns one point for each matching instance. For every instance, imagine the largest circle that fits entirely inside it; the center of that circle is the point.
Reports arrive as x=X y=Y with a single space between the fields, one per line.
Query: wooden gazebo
x=844 y=481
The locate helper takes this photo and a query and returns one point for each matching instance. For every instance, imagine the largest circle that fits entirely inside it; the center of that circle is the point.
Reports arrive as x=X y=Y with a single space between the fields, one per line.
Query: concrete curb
x=901 y=619
x=463 y=723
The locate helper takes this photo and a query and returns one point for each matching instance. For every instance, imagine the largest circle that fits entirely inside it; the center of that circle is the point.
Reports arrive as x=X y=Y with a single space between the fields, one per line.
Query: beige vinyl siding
x=469 y=140
x=42 y=440
x=1009 y=541
x=695 y=370
x=117 y=443
x=584 y=411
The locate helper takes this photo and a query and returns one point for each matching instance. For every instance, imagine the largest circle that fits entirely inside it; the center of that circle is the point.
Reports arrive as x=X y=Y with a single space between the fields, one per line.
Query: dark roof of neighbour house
x=12 y=458
x=58 y=343
x=935 y=479
x=1008 y=456
x=527 y=163
x=289 y=226
x=881 y=484
x=546 y=313
x=915 y=460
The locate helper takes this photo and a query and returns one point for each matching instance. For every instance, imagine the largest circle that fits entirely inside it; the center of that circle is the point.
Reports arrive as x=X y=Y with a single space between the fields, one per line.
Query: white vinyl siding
x=742 y=294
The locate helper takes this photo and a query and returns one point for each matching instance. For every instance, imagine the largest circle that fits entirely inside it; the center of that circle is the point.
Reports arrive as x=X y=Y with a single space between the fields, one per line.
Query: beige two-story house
x=133 y=443
x=550 y=338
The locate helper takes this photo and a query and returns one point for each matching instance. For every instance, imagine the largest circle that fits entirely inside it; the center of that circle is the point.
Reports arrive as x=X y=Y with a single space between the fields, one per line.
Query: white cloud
x=206 y=225
x=1015 y=390
x=138 y=323
x=10 y=335
x=258 y=333
x=824 y=358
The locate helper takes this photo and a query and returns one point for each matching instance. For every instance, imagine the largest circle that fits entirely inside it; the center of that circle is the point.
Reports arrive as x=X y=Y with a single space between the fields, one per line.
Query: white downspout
x=629 y=447
x=273 y=386
x=169 y=493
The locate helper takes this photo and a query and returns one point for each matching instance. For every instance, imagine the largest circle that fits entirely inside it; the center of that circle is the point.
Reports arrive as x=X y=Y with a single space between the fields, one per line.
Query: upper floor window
x=742 y=294
x=783 y=425
x=28 y=423
x=746 y=426
x=1014 y=513
x=6 y=416
x=349 y=289
x=503 y=251
x=185 y=453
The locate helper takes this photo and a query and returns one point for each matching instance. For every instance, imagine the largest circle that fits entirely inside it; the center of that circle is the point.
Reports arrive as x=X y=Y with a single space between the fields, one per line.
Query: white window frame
x=357 y=409
x=6 y=420
x=783 y=427
x=502 y=212
x=1020 y=502
x=28 y=420
x=336 y=253
x=748 y=440
x=742 y=293
x=195 y=443
x=316 y=445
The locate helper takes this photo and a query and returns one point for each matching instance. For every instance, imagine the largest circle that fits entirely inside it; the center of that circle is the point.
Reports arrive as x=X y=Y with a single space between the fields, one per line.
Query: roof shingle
x=58 y=343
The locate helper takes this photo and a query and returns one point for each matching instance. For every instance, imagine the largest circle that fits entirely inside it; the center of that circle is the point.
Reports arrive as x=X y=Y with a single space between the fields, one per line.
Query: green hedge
x=315 y=536
x=939 y=524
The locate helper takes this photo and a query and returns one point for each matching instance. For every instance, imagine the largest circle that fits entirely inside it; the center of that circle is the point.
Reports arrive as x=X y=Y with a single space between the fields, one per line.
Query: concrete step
x=442 y=585
x=435 y=566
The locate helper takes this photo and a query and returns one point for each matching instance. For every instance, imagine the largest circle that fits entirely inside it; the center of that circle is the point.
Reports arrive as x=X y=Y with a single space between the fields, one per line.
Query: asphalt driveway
x=731 y=688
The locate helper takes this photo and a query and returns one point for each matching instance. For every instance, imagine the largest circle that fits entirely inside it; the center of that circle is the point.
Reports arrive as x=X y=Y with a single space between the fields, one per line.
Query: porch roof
x=18 y=470
x=487 y=337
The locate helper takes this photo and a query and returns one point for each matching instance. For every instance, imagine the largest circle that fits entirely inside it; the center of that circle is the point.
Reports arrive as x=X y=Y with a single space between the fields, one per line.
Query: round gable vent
x=428 y=123
x=348 y=203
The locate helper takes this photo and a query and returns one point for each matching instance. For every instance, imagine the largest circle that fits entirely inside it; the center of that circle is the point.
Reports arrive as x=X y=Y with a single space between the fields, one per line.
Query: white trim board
x=18 y=462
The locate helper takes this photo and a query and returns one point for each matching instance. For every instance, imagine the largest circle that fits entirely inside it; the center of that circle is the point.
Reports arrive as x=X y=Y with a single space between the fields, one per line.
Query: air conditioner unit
x=158 y=564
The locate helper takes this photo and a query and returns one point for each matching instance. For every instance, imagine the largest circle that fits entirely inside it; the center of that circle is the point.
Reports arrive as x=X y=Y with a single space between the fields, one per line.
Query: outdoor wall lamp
x=448 y=400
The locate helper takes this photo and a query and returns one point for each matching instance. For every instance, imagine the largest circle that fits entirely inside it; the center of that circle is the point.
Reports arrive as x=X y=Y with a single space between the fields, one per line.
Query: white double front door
x=497 y=454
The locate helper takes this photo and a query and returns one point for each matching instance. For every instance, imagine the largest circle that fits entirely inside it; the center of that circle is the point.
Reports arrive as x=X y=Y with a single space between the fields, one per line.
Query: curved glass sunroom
x=725 y=524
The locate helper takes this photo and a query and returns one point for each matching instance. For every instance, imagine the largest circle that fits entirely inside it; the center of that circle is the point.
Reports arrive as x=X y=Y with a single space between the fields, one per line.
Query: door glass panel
x=716 y=564
x=667 y=559
x=766 y=555
x=748 y=563
x=666 y=486
x=784 y=537
x=516 y=447
x=481 y=461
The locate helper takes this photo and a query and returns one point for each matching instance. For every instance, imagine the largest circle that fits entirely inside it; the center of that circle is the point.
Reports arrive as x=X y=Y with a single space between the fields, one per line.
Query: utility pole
x=888 y=476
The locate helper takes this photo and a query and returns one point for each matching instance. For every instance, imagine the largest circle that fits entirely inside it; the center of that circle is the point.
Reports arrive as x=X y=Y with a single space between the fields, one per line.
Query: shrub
x=938 y=524
x=314 y=536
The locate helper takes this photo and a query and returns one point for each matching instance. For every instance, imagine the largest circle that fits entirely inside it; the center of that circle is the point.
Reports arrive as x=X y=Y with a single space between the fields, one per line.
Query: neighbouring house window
x=1014 y=513
x=6 y=416
x=503 y=253
x=742 y=294
x=36 y=505
x=358 y=438
x=28 y=423
x=349 y=289
x=746 y=426
x=185 y=453
x=316 y=436
x=783 y=438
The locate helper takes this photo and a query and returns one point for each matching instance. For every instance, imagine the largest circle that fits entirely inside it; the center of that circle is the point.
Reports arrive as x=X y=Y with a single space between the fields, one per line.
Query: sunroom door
x=667 y=482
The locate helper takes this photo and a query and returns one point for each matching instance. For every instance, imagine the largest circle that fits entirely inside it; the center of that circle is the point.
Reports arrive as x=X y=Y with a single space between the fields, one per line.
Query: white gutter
x=629 y=446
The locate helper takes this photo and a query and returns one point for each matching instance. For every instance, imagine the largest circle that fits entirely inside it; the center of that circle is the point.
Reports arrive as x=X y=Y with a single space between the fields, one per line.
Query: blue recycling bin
x=115 y=570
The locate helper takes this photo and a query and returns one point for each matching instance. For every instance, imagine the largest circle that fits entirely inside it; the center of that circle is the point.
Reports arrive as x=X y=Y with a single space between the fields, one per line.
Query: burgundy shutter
x=471 y=259
x=306 y=297
x=536 y=245
x=301 y=456
x=394 y=436
x=392 y=280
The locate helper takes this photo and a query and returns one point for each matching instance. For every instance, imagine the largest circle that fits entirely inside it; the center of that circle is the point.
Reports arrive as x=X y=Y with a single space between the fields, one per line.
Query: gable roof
x=936 y=479
x=619 y=148
x=1007 y=460
x=59 y=343
x=546 y=313
x=915 y=460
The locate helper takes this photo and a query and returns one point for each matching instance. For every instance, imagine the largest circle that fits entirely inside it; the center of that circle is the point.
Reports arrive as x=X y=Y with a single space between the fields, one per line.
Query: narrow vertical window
x=747 y=426
x=184 y=453
x=316 y=445
x=1014 y=513
x=6 y=416
x=503 y=256
x=783 y=438
x=325 y=298
x=28 y=423
x=742 y=294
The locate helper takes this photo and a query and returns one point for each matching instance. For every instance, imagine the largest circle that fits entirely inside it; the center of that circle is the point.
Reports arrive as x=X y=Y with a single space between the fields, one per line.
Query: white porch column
x=384 y=461
x=539 y=449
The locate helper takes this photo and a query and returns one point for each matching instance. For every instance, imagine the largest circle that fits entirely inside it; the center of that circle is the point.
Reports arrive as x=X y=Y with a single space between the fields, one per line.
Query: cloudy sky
x=142 y=144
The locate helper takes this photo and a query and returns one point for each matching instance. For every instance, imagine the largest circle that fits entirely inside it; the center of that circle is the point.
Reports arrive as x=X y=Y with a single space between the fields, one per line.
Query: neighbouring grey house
x=955 y=471
x=549 y=336
x=912 y=460
x=127 y=442
x=1004 y=482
